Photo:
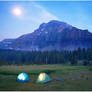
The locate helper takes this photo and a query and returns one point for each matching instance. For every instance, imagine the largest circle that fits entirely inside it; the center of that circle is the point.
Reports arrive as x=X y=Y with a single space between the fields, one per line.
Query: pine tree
x=85 y=62
x=74 y=60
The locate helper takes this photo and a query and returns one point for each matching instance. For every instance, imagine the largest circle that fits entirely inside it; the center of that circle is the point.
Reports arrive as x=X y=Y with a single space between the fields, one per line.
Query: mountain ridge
x=54 y=35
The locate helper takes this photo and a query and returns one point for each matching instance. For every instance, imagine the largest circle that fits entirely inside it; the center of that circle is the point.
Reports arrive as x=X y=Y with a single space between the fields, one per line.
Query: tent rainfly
x=43 y=78
x=23 y=77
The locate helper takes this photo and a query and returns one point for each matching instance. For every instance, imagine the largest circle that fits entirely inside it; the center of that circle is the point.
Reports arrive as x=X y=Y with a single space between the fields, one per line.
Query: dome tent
x=23 y=77
x=43 y=78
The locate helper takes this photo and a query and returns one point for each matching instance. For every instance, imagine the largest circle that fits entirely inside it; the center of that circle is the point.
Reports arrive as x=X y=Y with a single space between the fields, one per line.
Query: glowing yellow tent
x=43 y=78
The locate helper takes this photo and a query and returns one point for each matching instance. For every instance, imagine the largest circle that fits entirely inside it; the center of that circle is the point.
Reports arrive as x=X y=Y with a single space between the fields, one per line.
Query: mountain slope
x=6 y=43
x=54 y=35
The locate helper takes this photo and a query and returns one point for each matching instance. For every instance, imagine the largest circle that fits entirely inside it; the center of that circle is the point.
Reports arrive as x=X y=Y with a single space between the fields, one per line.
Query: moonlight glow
x=17 y=11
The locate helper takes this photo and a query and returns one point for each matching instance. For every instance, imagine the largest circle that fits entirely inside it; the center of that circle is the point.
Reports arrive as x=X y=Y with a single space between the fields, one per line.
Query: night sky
x=18 y=18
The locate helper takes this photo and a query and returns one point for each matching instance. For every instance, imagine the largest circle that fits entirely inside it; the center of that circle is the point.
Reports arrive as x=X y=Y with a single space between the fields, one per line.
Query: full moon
x=17 y=11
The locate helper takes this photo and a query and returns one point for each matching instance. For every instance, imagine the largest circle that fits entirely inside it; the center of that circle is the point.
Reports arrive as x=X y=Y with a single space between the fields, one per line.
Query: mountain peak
x=54 y=35
x=54 y=21
x=57 y=22
x=42 y=25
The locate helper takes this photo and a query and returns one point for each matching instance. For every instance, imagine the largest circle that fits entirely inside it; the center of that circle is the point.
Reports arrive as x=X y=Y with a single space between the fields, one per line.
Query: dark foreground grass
x=74 y=78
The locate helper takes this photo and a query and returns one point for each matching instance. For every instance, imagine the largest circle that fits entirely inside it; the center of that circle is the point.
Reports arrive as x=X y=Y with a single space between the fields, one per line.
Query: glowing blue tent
x=23 y=77
x=43 y=78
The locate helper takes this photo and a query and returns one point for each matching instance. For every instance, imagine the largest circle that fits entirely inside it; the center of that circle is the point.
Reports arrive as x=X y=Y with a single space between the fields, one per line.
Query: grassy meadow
x=75 y=78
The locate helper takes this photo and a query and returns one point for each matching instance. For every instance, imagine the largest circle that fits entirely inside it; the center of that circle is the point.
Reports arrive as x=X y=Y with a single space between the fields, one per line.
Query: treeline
x=77 y=57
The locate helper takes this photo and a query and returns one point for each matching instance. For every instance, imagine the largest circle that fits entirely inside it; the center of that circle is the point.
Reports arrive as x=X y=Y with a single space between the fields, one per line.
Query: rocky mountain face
x=6 y=43
x=54 y=35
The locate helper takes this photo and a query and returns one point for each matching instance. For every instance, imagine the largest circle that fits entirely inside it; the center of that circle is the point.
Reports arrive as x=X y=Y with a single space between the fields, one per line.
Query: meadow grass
x=75 y=77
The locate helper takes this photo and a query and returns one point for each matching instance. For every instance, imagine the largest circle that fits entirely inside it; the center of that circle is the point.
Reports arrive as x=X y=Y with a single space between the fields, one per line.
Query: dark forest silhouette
x=77 y=57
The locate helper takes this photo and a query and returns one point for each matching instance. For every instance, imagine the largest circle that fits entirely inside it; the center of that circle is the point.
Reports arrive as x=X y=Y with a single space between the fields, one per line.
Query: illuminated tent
x=23 y=77
x=43 y=78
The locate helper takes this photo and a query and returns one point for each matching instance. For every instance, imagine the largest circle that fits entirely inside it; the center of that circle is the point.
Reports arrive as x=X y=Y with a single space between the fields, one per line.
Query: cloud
x=38 y=14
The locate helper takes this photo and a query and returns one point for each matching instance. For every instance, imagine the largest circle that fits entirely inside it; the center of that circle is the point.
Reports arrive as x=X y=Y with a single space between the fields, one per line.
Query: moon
x=17 y=11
